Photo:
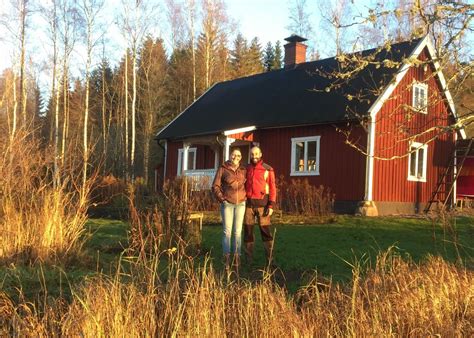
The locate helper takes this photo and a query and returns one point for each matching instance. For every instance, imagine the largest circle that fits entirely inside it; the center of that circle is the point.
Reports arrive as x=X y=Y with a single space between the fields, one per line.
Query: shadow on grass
x=332 y=249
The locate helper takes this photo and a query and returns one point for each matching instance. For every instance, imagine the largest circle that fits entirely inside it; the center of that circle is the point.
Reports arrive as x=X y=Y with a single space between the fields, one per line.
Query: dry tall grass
x=38 y=219
x=396 y=298
x=300 y=197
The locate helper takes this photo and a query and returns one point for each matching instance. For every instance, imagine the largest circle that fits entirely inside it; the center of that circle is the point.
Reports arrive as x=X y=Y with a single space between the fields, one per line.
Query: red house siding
x=393 y=127
x=342 y=168
x=172 y=159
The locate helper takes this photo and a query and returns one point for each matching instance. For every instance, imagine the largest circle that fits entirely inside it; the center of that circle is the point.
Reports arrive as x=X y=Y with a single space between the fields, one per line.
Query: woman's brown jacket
x=229 y=183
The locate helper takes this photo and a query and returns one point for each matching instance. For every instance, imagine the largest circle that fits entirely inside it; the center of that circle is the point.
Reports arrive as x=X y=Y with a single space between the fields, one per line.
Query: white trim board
x=239 y=130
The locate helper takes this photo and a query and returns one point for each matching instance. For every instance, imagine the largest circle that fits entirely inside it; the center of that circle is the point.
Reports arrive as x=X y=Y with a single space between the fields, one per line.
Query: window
x=191 y=159
x=420 y=97
x=417 y=162
x=305 y=156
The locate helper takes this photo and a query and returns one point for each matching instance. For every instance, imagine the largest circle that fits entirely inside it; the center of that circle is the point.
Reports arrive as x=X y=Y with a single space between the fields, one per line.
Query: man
x=261 y=196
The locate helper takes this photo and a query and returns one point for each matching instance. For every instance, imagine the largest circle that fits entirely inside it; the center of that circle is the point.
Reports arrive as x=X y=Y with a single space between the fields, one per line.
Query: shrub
x=300 y=197
x=163 y=219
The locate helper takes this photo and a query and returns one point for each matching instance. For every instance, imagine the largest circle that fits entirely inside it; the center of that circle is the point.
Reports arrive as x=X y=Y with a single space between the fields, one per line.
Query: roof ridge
x=308 y=63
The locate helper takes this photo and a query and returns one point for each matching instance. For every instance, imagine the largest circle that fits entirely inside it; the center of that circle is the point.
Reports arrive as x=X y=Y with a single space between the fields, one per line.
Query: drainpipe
x=369 y=172
x=165 y=151
x=368 y=207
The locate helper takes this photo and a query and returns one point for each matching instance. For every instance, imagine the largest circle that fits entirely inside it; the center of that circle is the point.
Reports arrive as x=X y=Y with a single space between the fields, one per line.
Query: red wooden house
x=371 y=125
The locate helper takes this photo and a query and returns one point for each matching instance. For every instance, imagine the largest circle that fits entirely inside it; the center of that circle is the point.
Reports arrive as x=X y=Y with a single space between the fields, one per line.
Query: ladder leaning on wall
x=460 y=154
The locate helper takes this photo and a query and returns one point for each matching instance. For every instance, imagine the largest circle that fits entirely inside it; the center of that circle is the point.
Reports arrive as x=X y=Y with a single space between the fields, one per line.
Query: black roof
x=291 y=96
x=295 y=38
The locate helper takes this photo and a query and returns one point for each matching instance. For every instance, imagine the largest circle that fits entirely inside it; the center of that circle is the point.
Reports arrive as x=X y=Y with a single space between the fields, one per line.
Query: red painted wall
x=172 y=158
x=395 y=124
x=342 y=168
x=465 y=181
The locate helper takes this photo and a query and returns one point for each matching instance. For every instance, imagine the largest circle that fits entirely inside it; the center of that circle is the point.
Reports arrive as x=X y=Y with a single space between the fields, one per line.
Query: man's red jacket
x=260 y=185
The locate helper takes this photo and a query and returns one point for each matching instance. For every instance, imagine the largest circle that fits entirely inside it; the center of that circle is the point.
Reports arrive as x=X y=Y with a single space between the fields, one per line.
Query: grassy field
x=330 y=249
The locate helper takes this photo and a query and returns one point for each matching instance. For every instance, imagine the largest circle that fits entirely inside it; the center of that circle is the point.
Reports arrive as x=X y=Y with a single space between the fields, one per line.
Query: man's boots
x=248 y=248
x=268 y=246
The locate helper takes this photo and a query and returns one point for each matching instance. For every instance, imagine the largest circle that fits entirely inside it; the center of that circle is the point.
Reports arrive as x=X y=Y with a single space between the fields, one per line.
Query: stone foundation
x=367 y=208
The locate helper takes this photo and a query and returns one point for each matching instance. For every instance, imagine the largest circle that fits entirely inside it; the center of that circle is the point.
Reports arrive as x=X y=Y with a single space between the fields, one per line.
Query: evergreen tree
x=238 y=57
x=180 y=81
x=255 y=58
x=278 y=59
x=269 y=57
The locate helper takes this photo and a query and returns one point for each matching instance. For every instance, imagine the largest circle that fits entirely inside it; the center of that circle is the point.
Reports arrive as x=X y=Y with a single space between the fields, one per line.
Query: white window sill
x=420 y=110
x=305 y=173
x=417 y=179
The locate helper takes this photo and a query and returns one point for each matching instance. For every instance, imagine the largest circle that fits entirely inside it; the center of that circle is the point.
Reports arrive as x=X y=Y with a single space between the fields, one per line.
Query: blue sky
x=266 y=19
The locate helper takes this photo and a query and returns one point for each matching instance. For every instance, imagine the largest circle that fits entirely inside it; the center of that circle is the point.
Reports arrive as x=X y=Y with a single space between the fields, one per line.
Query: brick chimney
x=295 y=50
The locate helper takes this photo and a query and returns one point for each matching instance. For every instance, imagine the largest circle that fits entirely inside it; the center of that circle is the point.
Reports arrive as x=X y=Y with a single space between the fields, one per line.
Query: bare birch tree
x=335 y=16
x=191 y=20
x=15 y=21
x=69 y=20
x=135 y=24
x=215 y=23
x=90 y=10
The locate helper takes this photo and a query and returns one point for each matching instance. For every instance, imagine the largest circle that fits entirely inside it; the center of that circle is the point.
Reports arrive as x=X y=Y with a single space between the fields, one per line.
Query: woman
x=229 y=189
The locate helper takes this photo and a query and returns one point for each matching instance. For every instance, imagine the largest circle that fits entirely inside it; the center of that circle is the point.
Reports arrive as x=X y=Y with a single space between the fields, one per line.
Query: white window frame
x=295 y=140
x=180 y=155
x=418 y=146
x=423 y=86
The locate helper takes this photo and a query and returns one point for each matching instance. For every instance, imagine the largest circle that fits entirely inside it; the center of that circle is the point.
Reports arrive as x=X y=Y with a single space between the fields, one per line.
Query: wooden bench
x=194 y=216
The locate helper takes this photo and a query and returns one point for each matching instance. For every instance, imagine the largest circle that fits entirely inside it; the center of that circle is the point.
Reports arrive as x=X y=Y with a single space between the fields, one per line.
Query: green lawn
x=331 y=248
x=299 y=250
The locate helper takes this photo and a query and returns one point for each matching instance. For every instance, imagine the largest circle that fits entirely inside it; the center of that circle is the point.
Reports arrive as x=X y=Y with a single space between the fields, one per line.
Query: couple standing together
x=247 y=195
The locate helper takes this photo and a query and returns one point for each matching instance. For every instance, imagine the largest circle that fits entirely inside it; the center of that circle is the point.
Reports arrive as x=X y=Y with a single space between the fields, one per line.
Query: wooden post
x=184 y=167
x=228 y=142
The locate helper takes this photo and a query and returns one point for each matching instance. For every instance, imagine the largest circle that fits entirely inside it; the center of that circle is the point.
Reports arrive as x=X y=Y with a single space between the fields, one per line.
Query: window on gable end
x=420 y=97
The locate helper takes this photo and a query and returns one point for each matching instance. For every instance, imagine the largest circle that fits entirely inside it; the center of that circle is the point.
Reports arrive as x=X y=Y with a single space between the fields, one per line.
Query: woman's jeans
x=232 y=219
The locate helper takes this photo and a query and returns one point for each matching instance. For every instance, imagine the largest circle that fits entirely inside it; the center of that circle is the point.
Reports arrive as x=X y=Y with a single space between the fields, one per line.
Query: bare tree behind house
x=335 y=18
x=136 y=21
x=90 y=10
